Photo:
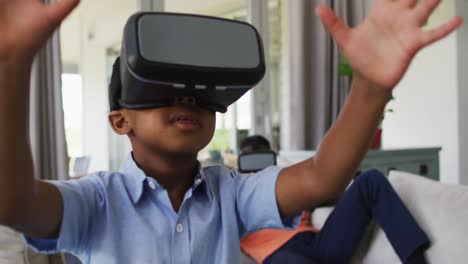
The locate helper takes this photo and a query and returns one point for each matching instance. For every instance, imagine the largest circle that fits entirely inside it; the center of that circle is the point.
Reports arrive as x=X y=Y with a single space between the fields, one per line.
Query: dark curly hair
x=254 y=143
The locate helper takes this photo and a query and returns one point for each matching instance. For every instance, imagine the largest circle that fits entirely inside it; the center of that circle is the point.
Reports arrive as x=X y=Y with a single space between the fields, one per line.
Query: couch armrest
x=441 y=210
x=12 y=248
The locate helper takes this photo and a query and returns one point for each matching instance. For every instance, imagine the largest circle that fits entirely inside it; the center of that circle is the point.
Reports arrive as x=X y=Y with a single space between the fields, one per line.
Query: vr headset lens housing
x=165 y=56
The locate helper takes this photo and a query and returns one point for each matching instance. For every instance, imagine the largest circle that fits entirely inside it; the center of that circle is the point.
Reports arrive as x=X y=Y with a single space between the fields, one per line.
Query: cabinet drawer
x=424 y=168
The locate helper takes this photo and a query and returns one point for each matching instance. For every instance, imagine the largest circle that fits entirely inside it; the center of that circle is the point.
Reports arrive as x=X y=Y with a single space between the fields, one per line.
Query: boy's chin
x=185 y=150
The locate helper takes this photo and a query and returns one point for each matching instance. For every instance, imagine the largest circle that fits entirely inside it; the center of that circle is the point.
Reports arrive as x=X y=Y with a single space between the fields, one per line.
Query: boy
x=161 y=207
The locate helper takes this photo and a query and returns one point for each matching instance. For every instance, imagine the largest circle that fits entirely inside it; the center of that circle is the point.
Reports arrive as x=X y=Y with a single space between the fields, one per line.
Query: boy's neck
x=174 y=173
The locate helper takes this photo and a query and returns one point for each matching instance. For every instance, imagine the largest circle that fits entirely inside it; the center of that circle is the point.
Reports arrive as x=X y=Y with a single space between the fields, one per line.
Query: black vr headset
x=166 y=56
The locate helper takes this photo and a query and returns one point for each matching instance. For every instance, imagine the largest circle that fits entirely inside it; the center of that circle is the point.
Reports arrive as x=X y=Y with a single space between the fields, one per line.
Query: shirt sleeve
x=257 y=205
x=81 y=201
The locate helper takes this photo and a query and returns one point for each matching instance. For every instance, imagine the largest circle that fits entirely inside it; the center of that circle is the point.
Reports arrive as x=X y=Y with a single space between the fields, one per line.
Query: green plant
x=345 y=68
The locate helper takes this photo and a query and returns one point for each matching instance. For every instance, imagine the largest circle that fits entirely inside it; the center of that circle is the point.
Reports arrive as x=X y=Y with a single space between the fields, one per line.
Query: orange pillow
x=263 y=243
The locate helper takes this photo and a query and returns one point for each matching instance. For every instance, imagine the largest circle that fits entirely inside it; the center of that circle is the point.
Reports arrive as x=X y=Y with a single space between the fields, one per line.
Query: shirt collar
x=201 y=181
x=135 y=179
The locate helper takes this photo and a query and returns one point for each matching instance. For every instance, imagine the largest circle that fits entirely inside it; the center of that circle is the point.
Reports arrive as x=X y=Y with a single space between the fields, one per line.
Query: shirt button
x=152 y=185
x=179 y=228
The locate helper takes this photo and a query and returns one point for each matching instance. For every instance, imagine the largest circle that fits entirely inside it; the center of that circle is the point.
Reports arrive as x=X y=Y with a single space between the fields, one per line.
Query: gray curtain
x=317 y=91
x=47 y=118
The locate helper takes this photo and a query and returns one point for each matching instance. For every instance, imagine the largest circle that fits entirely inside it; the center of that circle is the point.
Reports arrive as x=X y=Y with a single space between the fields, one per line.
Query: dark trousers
x=369 y=197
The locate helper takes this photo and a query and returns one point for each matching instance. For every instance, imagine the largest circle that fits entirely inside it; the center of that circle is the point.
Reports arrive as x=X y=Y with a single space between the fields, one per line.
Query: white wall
x=70 y=37
x=107 y=32
x=207 y=7
x=95 y=106
x=462 y=49
x=426 y=105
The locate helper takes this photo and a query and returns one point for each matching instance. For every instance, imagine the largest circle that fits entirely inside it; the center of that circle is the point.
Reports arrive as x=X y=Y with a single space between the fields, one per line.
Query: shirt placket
x=181 y=239
x=180 y=246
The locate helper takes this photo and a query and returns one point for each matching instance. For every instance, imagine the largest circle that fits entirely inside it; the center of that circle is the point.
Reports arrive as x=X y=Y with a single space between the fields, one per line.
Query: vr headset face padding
x=165 y=56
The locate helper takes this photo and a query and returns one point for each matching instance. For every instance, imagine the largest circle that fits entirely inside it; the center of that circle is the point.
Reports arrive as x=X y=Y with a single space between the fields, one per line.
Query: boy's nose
x=188 y=100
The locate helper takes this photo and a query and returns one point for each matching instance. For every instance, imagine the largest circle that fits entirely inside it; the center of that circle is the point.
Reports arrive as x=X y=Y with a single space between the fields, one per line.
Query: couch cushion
x=440 y=209
x=12 y=249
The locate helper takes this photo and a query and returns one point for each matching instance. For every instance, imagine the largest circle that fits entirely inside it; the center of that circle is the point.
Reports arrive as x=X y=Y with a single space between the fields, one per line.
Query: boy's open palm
x=381 y=48
x=26 y=24
x=29 y=206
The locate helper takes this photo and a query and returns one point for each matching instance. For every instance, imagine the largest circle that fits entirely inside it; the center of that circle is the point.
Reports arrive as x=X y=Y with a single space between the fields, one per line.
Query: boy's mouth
x=185 y=121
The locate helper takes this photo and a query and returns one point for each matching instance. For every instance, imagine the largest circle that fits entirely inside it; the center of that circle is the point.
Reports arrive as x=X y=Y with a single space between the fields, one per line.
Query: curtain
x=317 y=90
x=47 y=127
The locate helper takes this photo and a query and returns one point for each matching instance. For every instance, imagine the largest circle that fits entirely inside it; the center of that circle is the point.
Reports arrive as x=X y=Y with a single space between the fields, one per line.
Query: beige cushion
x=319 y=217
x=440 y=209
x=12 y=249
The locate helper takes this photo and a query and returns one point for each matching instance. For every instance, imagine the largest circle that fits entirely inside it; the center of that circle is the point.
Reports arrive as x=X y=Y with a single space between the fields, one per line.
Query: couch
x=14 y=251
x=440 y=209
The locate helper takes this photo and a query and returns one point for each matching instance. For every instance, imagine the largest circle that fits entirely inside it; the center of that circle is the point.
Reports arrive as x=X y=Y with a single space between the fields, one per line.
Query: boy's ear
x=119 y=121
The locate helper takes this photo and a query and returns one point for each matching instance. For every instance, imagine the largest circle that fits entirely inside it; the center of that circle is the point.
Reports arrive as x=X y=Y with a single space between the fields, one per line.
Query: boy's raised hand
x=26 y=24
x=380 y=50
x=32 y=207
x=382 y=47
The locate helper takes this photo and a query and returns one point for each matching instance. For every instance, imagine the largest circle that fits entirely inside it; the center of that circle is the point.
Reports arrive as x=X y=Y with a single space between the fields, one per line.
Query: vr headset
x=166 y=56
x=255 y=161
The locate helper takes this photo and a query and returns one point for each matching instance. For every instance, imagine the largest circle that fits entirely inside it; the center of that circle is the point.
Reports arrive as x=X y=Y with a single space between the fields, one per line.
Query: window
x=73 y=113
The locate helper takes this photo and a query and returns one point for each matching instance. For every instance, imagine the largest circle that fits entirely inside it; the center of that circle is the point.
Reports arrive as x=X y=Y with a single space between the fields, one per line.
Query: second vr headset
x=165 y=56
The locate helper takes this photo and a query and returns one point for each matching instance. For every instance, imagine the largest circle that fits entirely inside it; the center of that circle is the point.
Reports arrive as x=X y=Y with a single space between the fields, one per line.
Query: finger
x=337 y=28
x=441 y=32
x=383 y=1
x=409 y=3
x=424 y=9
x=60 y=9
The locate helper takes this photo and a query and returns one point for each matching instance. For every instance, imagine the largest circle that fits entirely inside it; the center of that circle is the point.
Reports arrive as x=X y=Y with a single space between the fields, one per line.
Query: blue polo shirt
x=127 y=217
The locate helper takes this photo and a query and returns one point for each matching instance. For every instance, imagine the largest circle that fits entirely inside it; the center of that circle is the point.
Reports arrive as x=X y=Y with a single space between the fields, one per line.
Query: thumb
x=60 y=9
x=337 y=28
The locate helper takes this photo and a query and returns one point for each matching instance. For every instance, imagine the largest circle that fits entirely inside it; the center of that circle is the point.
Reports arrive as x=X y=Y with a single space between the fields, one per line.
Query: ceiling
x=102 y=21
